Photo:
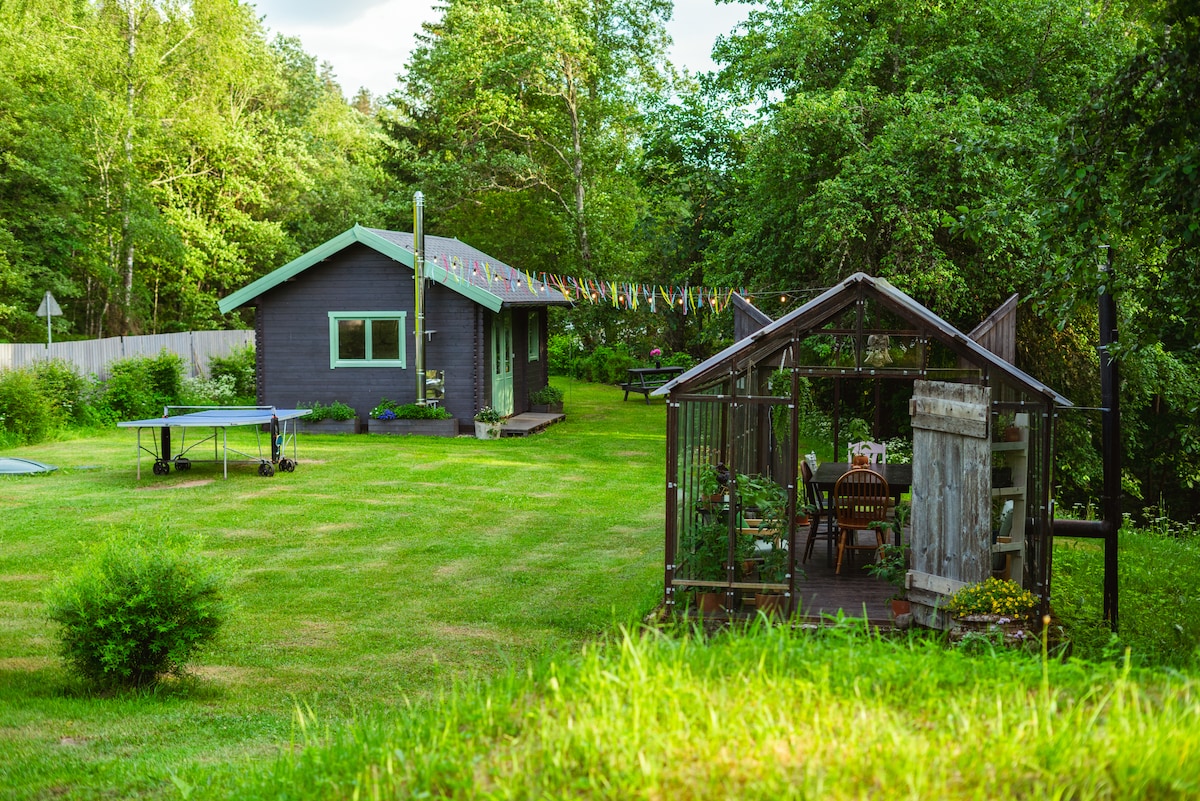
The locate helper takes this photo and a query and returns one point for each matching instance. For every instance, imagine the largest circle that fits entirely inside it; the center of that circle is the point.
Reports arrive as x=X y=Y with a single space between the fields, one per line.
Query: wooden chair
x=876 y=452
x=860 y=498
x=815 y=498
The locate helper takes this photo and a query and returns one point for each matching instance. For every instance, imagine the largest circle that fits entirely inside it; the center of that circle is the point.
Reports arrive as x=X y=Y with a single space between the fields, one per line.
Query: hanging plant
x=779 y=384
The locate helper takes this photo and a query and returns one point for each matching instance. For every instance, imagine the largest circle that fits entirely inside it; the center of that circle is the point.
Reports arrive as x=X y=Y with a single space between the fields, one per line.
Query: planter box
x=547 y=408
x=331 y=426
x=1010 y=631
x=425 y=428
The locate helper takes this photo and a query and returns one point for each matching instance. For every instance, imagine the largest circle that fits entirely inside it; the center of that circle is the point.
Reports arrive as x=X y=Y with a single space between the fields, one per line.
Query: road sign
x=48 y=309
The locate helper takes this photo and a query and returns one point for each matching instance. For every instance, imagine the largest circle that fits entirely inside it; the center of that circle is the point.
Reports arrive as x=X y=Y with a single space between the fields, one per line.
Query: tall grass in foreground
x=773 y=713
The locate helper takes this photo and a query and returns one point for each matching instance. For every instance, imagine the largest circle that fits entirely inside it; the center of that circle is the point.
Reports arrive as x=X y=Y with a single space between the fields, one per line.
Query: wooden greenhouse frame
x=729 y=411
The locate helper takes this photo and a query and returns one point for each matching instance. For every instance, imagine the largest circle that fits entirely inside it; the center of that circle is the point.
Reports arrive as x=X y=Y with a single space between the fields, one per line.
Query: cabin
x=740 y=416
x=339 y=324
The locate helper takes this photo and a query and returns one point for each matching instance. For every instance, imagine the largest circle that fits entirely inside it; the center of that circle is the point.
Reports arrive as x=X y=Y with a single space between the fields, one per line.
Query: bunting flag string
x=618 y=294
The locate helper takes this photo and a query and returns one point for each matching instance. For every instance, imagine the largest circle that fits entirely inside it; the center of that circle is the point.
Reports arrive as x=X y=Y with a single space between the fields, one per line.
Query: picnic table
x=647 y=379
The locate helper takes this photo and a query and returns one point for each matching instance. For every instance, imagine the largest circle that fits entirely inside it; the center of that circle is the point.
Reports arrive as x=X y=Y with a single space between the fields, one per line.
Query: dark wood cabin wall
x=535 y=372
x=452 y=348
x=521 y=365
x=294 y=338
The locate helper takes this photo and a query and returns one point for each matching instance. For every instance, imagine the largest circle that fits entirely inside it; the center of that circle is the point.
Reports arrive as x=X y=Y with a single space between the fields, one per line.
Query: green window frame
x=535 y=337
x=367 y=339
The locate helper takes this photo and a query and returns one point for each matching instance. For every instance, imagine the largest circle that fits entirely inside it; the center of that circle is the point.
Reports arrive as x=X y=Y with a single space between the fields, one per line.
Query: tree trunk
x=127 y=183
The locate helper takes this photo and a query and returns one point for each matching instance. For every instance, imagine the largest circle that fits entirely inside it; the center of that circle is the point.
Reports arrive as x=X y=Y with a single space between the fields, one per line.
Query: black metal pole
x=1110 y=400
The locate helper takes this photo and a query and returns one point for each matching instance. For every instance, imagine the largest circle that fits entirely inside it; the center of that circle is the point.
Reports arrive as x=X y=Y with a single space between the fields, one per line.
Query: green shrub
x=240 y=366
x=64 y=389
x=678 y=359
x=139 y=387
x=136 y=609
x=390 y=410
x=26 y=414
x=209 y=392
x=605 y=365
x=335 y=411
x=546 y=395
x=564 y=352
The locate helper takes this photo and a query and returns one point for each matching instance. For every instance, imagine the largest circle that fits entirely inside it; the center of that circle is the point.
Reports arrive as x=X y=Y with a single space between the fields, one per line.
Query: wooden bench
x=647 y=379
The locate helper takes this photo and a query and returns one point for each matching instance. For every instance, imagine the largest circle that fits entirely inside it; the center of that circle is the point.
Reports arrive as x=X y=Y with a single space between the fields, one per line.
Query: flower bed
x=445 y=427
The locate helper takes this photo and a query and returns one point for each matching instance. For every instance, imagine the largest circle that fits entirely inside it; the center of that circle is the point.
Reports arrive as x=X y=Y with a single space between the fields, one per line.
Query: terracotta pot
x=770 y=604
x=860 y=460
x=1012 y=434
x=900 y=606
x=710 y=602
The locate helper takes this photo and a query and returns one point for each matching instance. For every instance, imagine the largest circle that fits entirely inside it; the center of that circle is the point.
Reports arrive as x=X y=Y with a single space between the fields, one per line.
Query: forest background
x=156 y=155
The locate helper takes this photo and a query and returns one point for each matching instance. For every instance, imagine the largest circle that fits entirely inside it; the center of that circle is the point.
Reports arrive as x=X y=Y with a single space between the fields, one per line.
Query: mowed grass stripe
x=384 y=568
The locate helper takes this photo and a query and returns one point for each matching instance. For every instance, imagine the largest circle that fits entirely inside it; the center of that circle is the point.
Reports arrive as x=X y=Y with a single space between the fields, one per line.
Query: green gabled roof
x=371 y=239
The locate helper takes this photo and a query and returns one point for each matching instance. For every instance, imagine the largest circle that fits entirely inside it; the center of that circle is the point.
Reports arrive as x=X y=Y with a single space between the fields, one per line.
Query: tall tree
x=529 y=109
x=1124 y=186
x=883 y=120
x=158 y=154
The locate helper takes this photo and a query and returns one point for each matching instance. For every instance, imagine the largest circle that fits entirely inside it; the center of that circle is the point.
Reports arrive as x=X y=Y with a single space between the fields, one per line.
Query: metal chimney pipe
x=419 y=293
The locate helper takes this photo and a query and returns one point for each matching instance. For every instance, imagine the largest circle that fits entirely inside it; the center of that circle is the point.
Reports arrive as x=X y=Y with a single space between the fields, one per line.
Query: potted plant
x=1007 y=429
x=390 y=417
x=892 y=567
x=702 y=554
x=656 y=355
x=714 y=483
x=774 y=570
x=892 y=563
x=487 y=423
x=992 y=606
x=334 y=418
x=547 y=400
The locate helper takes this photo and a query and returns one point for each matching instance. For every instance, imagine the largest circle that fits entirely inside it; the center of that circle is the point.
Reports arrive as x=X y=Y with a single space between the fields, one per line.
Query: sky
x=368 y=41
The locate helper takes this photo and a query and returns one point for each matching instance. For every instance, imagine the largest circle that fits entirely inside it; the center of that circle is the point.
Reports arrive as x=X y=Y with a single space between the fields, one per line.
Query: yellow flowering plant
x=993 y=596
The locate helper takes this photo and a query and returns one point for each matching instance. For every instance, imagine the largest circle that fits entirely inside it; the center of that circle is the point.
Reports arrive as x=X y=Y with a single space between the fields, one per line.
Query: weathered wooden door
x=502 y=363
x=951 y=494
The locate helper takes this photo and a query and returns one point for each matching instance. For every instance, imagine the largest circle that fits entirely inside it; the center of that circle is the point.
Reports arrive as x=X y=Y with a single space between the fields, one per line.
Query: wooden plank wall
x=951 y=492
x=294 y=318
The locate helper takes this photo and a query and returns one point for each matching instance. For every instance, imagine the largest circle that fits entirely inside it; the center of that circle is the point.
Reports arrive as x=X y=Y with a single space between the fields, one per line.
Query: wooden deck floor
x=823 y=592
x=526 y=423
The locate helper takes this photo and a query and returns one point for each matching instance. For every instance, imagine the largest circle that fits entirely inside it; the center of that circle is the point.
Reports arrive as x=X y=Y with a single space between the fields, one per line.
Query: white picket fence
x=93 y=356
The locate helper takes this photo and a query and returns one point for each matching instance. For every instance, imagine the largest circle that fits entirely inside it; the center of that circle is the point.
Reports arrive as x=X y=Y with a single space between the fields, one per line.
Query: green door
x=502 y=363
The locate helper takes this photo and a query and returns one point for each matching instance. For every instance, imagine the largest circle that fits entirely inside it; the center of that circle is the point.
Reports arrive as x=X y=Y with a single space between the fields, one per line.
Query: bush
x=26 y=415
x=334 y=411
x=605 y=365
x=136 y=609
x=240 y=366
x=390 y=410
x=564 y=352
x=209 y=392
x=139 y=387
x=547 y=395
x=64 y=389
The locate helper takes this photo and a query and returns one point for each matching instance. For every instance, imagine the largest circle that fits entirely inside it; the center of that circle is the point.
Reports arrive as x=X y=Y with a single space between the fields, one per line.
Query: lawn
x=439 y=616
x=382 y=570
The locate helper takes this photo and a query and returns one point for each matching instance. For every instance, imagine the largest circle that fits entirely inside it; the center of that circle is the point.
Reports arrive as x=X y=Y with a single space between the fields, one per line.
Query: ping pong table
x=220 y=419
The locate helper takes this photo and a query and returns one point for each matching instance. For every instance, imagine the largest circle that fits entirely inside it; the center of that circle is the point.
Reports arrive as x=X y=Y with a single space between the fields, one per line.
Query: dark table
x=647 y=379
x=898 y=476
